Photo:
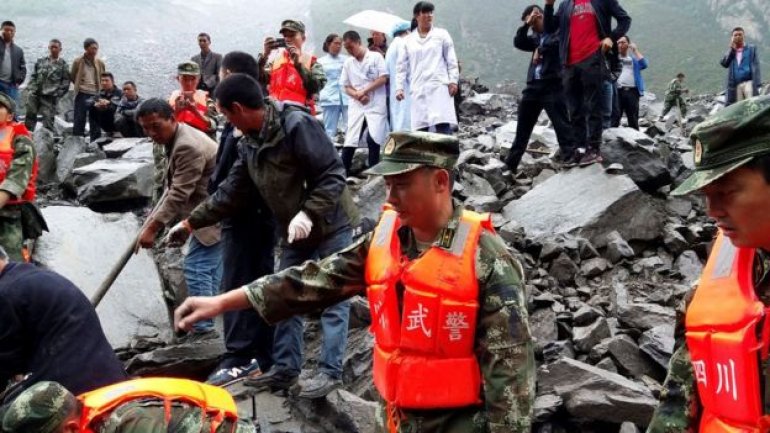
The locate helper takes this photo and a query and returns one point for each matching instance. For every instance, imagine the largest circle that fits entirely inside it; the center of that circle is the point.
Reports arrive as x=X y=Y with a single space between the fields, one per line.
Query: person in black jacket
x=544 y=89
x=248 y=239
x=49 y=331
x=586 y=35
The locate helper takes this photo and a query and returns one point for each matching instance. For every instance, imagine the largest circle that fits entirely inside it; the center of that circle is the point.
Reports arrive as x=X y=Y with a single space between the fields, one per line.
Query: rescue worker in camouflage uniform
x=408 y=267
x=50 y=81
x=48 y=407
x=675 y=97
x=279 y=75
x=18 y=171
x=715 y=381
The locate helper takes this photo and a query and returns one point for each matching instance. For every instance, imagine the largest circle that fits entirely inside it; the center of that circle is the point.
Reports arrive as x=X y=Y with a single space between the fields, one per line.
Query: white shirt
x=429 y=65
x=626 y=78
x=358 y=75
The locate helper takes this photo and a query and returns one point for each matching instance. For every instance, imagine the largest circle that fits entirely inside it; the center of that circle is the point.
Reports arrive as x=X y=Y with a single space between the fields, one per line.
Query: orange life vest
x=216 y=403
x=7 y=135
x=286 y=82
x=423 y=357
x=200 y=98
x=727 y=338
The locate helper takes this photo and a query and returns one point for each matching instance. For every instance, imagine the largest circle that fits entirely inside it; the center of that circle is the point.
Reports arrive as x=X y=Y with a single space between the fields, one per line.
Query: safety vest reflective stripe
x=215 y=401
x=434 y=331
x=7 y=135
x=722 y=329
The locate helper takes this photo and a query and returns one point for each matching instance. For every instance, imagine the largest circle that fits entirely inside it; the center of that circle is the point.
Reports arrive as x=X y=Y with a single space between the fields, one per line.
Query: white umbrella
x=374 y=20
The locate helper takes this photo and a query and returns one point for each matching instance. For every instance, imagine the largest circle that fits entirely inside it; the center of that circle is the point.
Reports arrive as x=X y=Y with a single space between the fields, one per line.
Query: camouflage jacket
x=49 y=78
x=313 y=80
x=148 y=416
x=503 y=343
x=679 y=409
x=18 y=174
x=675 y=90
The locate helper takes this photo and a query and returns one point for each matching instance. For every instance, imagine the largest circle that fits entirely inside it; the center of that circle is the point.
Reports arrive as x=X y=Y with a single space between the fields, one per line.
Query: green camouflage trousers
x=11 y=238
x=679 y=102
x=44 y=106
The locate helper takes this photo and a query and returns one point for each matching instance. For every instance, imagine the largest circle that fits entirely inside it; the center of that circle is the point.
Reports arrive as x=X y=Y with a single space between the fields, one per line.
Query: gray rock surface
x=134 y=306
x=72 y=147
x=114 y=180
x=559 y=206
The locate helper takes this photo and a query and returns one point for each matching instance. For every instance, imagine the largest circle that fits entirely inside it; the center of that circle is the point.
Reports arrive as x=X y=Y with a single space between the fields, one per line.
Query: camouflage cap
x=292 y=26
x=407 y=151
x=41 y=408
x=7 y=102
x=727 y=141
x=188 y=68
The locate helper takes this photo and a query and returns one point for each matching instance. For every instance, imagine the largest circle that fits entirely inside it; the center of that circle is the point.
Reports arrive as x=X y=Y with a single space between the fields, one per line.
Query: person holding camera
x=742 y=63
x=292 y=75
x=191 y=105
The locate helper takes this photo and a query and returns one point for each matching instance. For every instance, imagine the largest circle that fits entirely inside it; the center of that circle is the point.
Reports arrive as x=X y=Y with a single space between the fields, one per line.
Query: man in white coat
x=363 y=77
x=400 y=115
x=429 y=64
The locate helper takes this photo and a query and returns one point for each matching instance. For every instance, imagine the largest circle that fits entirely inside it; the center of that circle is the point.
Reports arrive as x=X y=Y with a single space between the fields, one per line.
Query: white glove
x=299 y=227
x=178 y=234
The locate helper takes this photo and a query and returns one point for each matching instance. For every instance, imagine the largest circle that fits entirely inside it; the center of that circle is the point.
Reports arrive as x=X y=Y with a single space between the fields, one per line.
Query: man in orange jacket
x=453 y=350
x=716 y=381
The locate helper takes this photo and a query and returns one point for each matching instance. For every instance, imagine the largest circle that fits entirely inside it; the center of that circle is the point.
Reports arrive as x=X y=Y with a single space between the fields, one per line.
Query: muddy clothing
x=15 y=183
x=679 y=409
x=50 y=329
x=295 y=168
x=503 y=344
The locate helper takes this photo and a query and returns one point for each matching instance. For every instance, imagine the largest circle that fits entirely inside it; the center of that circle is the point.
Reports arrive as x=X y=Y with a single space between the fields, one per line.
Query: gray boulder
x=114 y=180
x=83 y=246
x=640 y=159
x=628 y=357
x=689 y=266
x=72 y=147
x=46 y=157
x=586 y=337
x=560 y=206
x=591 y=393
x=644 y=316
x=544 y=330
x=120 y=146
x=481 y=103
x=658 y=343
x=370 y=198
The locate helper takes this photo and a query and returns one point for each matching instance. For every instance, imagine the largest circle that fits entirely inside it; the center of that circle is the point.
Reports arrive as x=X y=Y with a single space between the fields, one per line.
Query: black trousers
x=374 y=152
x=628 y=103
x=542 y=95
x=82 y=104
x=247 y=254
x=583 y=91
x=101 y=120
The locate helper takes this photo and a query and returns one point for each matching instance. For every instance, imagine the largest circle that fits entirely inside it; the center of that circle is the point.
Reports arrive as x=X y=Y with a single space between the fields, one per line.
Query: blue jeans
x=12 y=91
x=287 y=346
x=203 y=271
x=608 y=101
x=332 y=116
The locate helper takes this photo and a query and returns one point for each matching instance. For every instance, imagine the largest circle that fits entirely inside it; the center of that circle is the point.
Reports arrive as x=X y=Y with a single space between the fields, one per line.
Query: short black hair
x=680 y=75
x=627 y=38
x=108 y=74
x=239 y=62
x=328 y=41
x=242 y=89
x=528 y=11
x=738 y=29
x=55 y=41
x=204 y=35
x=423 y=7
x=158 y=106
x=352 y=36
x=8 y=24
x=130 y=83
x=88 y=42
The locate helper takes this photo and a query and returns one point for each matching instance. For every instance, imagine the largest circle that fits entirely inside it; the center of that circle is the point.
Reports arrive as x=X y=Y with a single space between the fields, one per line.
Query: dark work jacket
x=749 y=55
x=605 y=11
x=548 y=47
x=48 y=328
x=18 y=64
x=295 y=167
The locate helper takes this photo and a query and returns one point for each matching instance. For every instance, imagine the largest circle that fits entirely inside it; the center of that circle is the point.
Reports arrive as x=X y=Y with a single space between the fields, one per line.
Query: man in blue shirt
x=742 y=63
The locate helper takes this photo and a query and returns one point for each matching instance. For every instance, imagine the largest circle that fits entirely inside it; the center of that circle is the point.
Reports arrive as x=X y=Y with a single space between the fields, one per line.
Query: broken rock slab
x=65 y=160
x=120 y=146
x=589 y=203
x=83 y=246
x=591 y=393
x=114 y=180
